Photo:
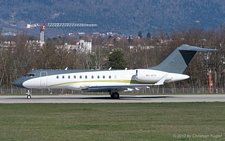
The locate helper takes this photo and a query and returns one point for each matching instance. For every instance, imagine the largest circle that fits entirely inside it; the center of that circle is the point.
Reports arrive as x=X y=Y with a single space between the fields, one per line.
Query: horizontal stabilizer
x=194 y=48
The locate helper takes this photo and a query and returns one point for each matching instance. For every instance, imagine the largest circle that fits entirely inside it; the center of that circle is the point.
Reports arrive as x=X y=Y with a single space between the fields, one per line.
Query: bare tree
x=99 y=56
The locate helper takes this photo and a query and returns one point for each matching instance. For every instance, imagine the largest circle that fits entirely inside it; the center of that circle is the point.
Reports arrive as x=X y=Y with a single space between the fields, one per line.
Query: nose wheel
x=28 y=94
x=115 y=95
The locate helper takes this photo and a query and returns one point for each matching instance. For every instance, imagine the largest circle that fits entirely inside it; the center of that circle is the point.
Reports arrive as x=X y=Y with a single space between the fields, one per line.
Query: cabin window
x=110 y=77
x=80 y=76
x=98 y=76
x=30 y=75
x=63 y=77
x=103 y=76
x=74 y=76
x=57 y=77
x=92 y=76
x=85 y=76
x=68 y=77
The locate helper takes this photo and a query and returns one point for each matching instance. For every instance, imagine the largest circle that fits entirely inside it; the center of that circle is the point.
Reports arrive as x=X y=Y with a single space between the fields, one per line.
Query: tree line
x=118 y=53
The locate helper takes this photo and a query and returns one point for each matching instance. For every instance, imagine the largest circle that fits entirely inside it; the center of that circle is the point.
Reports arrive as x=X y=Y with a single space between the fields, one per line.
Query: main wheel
x=115 y=95
x=28 y=96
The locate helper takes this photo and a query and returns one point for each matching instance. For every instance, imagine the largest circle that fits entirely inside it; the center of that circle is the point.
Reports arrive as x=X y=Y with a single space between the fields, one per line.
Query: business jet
x=112 y=81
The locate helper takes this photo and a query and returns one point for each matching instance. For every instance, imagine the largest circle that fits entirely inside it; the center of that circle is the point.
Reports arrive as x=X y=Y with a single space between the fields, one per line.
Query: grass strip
x=136 y=121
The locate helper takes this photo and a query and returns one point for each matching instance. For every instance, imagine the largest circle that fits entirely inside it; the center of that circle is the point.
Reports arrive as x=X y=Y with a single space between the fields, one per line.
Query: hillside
x=124 y=16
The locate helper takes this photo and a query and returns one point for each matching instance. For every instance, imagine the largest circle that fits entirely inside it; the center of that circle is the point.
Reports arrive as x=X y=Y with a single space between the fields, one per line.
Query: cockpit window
x=31 y=75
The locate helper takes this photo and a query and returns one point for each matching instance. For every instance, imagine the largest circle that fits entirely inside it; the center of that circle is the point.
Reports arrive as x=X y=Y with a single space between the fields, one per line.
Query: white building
x=81 y=46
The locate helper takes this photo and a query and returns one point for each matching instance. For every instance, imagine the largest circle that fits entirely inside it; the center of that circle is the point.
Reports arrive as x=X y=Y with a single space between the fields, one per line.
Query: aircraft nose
x=18 y=83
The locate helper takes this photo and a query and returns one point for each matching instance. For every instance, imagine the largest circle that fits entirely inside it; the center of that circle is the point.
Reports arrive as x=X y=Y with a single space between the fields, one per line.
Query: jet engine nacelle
x=145 y=75
x=158 y=77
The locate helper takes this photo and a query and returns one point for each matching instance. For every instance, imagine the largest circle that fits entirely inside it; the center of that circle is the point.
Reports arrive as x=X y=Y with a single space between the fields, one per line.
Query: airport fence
x=151 y=90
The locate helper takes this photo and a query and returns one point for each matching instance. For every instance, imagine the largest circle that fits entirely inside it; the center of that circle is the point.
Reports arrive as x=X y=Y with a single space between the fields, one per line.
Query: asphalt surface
x=107 y=98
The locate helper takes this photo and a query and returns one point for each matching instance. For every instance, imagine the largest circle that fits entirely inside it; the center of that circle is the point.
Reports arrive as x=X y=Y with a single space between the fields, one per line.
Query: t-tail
x=179 y=59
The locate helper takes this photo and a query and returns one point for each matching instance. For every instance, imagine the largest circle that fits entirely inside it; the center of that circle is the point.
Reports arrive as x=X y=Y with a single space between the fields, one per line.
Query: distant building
x=92 y=34
x=82 y=46
x=140 y=47
x=11 y=45
x=8 y=31
x=35 y=44
x=7 y=45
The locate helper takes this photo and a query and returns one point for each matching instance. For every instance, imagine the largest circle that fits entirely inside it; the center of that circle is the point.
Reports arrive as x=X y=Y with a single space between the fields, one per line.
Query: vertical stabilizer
x=179 y=59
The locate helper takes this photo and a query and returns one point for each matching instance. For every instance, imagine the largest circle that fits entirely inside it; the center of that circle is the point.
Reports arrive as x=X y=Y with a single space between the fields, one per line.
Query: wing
x=116 y=88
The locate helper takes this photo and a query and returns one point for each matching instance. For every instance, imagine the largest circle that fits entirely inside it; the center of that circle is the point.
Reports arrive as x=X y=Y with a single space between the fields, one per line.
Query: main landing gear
x=28 y=94
x=114 y=95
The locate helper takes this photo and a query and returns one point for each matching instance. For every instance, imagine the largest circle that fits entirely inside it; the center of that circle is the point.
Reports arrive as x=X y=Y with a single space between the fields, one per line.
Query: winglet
x=161 y=81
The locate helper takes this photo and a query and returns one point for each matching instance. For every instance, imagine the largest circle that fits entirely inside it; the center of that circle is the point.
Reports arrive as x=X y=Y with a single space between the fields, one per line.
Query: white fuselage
x=82 y=80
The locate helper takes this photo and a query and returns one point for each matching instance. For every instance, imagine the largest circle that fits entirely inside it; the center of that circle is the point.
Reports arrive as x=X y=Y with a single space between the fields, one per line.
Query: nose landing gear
x=28 y=94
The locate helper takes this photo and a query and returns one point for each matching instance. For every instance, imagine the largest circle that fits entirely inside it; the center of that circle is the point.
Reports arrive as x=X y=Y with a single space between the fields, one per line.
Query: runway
x=107 y=99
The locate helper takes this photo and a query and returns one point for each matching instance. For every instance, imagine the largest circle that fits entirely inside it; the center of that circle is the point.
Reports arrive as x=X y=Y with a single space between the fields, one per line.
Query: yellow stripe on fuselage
x=104 y=81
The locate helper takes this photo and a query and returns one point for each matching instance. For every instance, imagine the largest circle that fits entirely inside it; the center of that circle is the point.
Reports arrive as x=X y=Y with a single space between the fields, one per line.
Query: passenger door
x=43 y=80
